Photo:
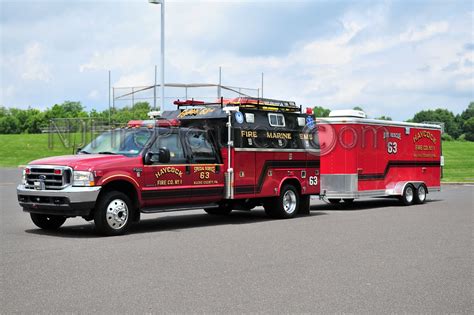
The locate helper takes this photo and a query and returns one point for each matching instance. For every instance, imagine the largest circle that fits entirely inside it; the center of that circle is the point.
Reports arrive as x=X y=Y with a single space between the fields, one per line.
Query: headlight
x=23 y=177
x=83 y=178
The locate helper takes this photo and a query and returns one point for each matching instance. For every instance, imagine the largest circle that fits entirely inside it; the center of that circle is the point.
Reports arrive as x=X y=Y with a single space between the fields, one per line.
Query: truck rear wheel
x=113 y=213
x=408 y=195
x=420 y=194
x=284 y=206
x=47 y=222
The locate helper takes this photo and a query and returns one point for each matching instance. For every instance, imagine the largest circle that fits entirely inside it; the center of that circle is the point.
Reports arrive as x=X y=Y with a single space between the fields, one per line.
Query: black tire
x=408 y=196
x=113 y=213
x=221 y=210
x=334 y=201
x=304 y=208
x=284 y=206
x=420 y=194
x=47 y=222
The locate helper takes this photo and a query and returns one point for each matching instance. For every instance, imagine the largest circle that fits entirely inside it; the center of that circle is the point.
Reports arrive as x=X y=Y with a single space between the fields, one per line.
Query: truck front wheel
x=113 y=213
x=47 y=222
x=284 y=206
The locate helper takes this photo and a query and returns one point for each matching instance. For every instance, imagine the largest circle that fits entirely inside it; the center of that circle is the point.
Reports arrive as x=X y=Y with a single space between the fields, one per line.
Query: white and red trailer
x=363 y=157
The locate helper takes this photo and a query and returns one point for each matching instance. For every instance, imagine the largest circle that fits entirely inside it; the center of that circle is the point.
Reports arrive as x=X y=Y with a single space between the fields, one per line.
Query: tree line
x=14 y=120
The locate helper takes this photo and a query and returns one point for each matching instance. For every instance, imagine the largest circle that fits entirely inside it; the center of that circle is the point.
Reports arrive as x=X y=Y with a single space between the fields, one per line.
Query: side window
x=276 y=120
x=200 y=146
x=173 y=144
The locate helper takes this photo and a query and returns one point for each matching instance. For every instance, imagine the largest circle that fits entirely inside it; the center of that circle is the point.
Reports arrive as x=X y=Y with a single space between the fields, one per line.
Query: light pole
x=162 y=57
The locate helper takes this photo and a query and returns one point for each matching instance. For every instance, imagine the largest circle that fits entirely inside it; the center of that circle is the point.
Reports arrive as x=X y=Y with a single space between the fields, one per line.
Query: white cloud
x=93 y=94
x=425 y=32
x=367 y=55
x=120 y=58
x=466 y=85
x=7 y=92
x=30 y=64
x=143 y=78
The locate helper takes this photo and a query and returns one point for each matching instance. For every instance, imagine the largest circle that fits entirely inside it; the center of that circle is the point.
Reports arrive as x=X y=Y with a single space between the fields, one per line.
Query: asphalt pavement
x=376 y=257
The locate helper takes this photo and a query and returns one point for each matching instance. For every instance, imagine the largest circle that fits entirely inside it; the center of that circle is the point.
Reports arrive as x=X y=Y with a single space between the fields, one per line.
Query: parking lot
x=373 y=257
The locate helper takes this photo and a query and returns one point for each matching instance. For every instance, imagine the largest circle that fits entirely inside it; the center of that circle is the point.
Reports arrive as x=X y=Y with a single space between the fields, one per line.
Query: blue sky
x=390 y=57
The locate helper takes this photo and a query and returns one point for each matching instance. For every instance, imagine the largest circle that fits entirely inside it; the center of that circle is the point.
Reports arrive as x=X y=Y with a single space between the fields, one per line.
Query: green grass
x=20 y=149
x=458 y=161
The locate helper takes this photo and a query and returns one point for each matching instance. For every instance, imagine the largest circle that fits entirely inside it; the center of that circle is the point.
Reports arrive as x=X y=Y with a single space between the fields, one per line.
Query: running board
x=177 y=208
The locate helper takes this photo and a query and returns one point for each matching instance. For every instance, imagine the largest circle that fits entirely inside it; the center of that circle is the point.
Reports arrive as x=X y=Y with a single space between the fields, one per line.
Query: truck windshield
x=129 y=142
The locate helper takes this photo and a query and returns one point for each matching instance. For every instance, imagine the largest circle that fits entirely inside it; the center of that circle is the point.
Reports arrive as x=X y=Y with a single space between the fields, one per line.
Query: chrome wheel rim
x=289 y=201
x=117 y=214
x=409 y=194
x=421 y=193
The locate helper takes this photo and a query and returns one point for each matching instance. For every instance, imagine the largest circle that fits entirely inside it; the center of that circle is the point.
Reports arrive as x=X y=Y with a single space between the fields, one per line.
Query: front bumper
x=70 y=201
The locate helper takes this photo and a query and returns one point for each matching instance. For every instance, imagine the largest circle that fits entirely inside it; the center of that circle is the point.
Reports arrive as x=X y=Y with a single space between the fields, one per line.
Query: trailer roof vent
x=347 y=113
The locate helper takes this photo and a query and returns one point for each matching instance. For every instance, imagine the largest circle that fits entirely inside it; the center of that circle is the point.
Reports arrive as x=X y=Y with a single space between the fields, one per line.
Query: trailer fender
x=398 y=188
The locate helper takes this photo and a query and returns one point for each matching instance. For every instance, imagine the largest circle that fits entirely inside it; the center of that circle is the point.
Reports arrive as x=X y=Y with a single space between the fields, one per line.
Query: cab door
x=207 y=170
x=168 y=183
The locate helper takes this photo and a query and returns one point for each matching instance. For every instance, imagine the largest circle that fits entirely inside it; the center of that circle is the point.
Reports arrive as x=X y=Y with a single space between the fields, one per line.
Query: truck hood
x=82 y=161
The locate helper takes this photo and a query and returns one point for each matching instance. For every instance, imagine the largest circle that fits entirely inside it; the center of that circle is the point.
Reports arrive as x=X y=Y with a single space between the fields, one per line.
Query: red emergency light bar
x=188 y=102
x=151 y=123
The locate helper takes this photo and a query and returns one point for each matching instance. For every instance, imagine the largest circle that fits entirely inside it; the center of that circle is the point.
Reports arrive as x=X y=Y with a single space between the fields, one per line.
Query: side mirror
x=164 y=155
x=150 y=158
x=78 y=150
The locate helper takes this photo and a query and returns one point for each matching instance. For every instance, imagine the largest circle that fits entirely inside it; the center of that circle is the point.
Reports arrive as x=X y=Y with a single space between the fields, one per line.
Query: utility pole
x=162 y=56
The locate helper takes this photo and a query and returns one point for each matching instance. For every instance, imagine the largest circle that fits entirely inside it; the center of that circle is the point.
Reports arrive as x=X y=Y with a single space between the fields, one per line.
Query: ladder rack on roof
x=264 y=104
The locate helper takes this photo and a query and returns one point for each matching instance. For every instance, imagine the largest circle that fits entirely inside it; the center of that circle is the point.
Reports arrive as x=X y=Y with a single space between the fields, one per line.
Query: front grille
x=46 y=175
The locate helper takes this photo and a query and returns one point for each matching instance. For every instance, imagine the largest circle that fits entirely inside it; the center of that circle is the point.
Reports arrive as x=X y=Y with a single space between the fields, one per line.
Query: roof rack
x=265 y=104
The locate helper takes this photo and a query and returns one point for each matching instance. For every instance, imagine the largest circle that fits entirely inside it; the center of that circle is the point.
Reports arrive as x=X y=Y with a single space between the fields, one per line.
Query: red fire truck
x=233 y=154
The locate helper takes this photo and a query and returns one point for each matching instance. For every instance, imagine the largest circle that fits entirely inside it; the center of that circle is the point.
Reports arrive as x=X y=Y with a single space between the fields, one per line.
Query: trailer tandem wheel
x=408 y=196
x=420 y=194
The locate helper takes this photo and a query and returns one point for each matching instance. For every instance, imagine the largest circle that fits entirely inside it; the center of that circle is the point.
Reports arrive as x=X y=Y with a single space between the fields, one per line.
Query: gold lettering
x=248 y=133
x=278 y=135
